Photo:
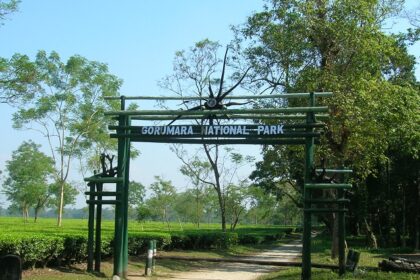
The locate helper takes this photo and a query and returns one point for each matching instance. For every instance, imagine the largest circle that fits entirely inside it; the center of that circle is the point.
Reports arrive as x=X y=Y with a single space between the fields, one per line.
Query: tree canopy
x=28 y=174
x=67 y=108
x=337 y=46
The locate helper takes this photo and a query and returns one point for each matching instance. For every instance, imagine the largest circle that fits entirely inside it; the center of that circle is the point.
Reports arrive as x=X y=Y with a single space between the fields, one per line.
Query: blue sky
x=137 y=39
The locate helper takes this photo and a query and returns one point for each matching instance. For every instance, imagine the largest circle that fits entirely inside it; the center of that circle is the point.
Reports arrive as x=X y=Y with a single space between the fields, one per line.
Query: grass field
x=47 y=226
x=320 y=245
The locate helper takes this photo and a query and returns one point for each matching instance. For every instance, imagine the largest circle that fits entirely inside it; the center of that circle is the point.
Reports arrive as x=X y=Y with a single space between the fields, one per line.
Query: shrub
x=33 y=249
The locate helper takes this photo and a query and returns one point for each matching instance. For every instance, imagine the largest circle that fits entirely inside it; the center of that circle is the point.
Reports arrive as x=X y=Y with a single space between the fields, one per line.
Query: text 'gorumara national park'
x=211 y=130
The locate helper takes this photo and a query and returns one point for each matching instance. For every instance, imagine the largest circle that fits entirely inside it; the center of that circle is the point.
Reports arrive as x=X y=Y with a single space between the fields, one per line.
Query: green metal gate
x=296 y=126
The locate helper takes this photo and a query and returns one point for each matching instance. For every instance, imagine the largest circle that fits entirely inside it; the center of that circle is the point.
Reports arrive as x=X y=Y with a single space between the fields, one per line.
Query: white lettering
x=170 y=130
x=273 y=129
x=190 y=130
x=183 y=130
x=157 y=130
x=226 y=130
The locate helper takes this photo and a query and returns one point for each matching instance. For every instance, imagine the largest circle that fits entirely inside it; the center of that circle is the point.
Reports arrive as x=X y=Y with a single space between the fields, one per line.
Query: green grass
x=318 y=274
x=15 y=227
x=369 y=259
x=48 y=225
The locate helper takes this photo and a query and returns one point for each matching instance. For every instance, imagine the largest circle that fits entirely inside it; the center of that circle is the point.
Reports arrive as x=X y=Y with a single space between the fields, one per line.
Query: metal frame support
x=121 y=209
x=341 y=229
x=98 y=229
x=149 y=260
x=307 y=219
x=91 y=230
x=154 y=255
x=306 y=135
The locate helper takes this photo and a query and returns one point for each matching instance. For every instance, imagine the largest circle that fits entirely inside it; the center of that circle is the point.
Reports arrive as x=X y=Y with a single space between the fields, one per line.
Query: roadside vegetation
x=43 y=244
x=368 y=263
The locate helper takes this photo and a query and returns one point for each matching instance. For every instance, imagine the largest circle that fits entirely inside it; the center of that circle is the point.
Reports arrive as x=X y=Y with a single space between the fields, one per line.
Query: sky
x=137 y=40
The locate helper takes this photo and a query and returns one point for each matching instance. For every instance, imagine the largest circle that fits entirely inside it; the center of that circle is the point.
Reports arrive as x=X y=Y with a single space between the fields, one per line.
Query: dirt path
x=237 y=271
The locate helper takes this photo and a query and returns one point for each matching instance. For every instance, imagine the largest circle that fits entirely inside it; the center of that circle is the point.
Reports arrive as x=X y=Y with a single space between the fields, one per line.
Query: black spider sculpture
x=215 y=102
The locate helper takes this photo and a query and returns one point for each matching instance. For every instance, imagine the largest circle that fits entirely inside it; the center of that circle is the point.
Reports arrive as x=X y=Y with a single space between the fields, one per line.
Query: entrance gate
x=293 y=126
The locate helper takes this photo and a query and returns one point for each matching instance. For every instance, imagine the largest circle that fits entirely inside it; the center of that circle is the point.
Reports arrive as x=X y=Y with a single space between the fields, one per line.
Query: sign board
x=209 y=130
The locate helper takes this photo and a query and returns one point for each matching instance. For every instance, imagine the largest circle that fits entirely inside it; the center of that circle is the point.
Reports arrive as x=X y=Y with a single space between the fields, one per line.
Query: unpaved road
x=237 y=271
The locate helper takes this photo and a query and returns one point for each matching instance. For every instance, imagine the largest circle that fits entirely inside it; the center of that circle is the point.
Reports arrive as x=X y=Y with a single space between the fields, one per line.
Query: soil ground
x=232 y=271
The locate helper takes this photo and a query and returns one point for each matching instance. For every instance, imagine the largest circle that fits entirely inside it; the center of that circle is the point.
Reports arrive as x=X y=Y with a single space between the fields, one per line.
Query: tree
x=136 y=194
x=235 y=202
x=219 y=173
x=143 y=213
x=199 y=193
x=339 y=46
x=162 y=198
x=69 y=195
x=67 y=109
x=18 y=78
x=193 y=70
x=262 y=206
x=26 y=183
x=7 y=8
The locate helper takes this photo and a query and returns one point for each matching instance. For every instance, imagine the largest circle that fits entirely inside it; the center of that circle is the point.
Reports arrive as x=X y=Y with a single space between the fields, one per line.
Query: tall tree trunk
x=217 y=186
x=370 y=236
x=36 y=210
x=197 y=214
x=26 y=213
x=61 y=205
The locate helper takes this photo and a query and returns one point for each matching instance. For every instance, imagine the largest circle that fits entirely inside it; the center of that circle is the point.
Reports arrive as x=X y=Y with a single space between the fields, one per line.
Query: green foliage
x=70 y=194
x=341 y=46
x=27 y=178
x=64 y=102
x=43 y=244
x=162 y=198
x=7 y=8
x=203 y=240
x=136 y=194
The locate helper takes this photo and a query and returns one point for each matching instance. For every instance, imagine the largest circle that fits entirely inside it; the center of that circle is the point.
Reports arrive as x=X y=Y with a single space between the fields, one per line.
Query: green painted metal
x=249 y=126
x=104 y=180
x=204 y=113
x=233 y=117
x=272 y=96
x=348 y=171
x=217 y=141
x=119 y=209
x=342 y=230
x=91 y=224
x=303 y=133
x=327 y=186
x=106 y=193
x=307 y=219
x=98 y=239
x=329 y=201
x=149 y=259
x=154 y=255
x=125 y=200
x=324 y=210
x=199 y=136
x=110 y=202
